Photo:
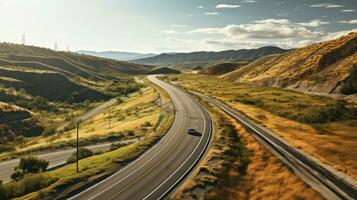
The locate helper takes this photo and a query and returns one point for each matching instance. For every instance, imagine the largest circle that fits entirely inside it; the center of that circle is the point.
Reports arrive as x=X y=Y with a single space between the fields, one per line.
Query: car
x=192 y=131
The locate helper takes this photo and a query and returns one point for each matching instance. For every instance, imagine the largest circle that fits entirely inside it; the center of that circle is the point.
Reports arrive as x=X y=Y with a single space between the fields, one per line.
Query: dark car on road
x=193 y=131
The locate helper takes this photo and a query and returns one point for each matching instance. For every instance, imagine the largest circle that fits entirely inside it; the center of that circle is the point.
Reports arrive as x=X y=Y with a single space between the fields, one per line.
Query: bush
x=49 y=131
x=29 y=183
x=29 y=165
x=329 y=113
x=82 y=153
x=254 y=102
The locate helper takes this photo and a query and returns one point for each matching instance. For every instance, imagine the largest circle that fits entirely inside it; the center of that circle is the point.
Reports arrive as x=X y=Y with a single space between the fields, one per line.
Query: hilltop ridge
x=325 y=67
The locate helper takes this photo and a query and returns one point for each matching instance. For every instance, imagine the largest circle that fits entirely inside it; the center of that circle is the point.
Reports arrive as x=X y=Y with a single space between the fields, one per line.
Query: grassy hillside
x=54 y=87
x=163 y=70
x=74 y=63
x=222 y=68
x=207 y=57
x=64 y=75
x=320 y=126
x=325 y=67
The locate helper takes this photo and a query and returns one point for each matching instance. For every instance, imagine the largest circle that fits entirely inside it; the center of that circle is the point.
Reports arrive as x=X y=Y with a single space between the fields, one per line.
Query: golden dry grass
x=138 y=109
x=309 y=68
x=332 y=143
x=6 y=108
x=266 y=176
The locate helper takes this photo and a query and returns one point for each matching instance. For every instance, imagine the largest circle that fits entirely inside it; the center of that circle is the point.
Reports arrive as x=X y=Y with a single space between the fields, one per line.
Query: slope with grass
x=217 y=69
x=50 y=85
x=81 y=65
x=207 y=57
x=320 y=126
x=326 y=67
x=141 y=115
x=133 y=117
x=163 y=70
x=238 y=167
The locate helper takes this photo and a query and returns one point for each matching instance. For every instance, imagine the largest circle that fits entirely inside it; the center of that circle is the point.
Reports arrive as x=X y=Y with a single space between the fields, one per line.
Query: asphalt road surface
x=155 y=173
x=55 y=158
x=326 y=182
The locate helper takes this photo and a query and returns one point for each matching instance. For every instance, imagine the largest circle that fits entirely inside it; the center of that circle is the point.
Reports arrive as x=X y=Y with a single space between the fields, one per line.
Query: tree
x=29 y=165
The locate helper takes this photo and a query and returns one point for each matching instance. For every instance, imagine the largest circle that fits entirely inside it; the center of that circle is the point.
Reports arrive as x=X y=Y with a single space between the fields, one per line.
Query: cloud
x=249 y=1
x=273 y=21
x=268 y=29
x=178 y=25
x=334 y=35
x=326 y=5
x=348 y=10
x=227 y=6
x=313 y=23
x=177 y=40
x=211 y=13
x=353 y=21
x=169 y=31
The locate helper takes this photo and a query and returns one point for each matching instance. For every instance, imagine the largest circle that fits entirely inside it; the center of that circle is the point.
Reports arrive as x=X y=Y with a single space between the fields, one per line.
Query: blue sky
x=174 y=25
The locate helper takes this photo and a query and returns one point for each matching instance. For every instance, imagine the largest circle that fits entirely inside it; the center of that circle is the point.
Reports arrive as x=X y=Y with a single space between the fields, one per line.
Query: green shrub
x=249 y=101
x=29 y=183
x=82 y=153
x=29 y=165
x=329 y=113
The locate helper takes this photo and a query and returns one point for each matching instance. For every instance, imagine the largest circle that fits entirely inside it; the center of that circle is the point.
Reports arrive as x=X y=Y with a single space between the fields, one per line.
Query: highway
x=156 y=173
x=326 y=182
x=55 y=158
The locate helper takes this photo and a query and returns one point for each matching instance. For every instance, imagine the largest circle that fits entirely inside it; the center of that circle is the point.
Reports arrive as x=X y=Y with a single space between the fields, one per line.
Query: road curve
x=326 y=182
x=155 y=173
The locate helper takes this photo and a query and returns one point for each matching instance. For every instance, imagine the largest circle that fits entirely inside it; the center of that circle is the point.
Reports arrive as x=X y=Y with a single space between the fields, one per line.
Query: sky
x=156 y=26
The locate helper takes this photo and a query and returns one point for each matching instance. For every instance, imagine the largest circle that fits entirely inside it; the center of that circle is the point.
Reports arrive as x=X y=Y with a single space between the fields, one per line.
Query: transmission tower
x=23 y=39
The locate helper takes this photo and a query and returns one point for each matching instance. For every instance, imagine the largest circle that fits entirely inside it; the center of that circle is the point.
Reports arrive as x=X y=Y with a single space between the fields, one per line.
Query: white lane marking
x=199 y=157
x=126 y=168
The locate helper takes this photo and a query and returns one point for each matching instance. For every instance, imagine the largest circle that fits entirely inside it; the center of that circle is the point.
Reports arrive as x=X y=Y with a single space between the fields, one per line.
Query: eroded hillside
x=325 y=67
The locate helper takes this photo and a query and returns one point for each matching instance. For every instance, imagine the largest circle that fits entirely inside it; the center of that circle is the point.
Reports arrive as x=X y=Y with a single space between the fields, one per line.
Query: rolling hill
x=116 y=55
x=325 y=67
x=207 y=57
x=163 y=70
x=70 y=63
x=222 y=68
x=62 y=75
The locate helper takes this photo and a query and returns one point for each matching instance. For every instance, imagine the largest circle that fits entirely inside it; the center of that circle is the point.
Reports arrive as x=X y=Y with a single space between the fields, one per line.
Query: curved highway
x=155 y=173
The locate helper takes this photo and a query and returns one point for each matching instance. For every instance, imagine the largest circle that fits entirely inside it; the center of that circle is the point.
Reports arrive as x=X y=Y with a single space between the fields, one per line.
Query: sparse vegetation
x=29 y=165
x=320 y=67
x=349 y=86
x=82 y=153
x=321 y=126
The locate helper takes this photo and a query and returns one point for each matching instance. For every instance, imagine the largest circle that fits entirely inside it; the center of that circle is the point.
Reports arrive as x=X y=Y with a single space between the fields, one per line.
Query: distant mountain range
x=203 y=57
x=117 y=55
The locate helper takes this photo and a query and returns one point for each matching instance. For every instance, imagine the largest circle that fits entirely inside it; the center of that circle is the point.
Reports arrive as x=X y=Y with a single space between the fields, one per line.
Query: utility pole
x=109 y=117
x=77 y=145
